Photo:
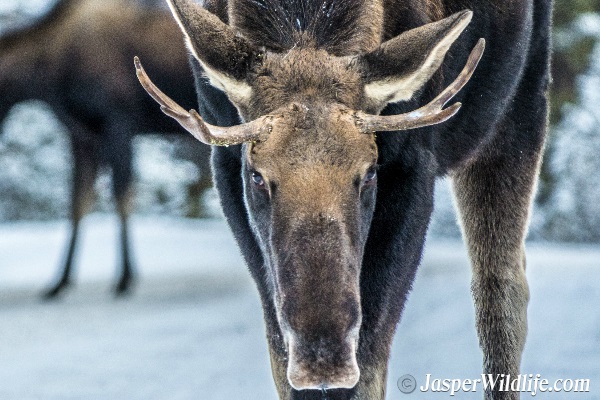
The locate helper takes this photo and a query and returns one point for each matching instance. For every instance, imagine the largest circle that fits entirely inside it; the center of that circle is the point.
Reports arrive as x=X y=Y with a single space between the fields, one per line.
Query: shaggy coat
x=331 y=221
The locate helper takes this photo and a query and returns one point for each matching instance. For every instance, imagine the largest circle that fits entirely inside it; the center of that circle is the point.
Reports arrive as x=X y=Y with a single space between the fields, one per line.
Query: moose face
x=310 y=165
x=310 y=193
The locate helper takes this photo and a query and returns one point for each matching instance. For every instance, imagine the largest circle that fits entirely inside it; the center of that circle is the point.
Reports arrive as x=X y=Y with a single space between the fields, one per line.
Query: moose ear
x=402 y=65
x=225 y=57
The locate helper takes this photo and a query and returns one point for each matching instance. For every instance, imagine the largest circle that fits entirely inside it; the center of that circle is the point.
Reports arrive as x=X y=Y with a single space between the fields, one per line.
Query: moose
x=76 y=58
x=325 y=161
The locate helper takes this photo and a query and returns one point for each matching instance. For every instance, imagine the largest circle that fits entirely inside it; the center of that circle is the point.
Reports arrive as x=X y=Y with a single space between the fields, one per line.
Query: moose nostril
x=328 y=221
x=321 y=218
x=337 y=370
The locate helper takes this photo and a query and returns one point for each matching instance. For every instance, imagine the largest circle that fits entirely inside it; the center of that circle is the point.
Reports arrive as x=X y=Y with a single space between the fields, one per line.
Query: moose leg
x=85 y=168
x=123 y=207
x=494 y=196
x=120 y=159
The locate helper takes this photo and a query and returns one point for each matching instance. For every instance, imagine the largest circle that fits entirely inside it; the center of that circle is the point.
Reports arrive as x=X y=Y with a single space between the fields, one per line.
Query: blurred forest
x=568 y=202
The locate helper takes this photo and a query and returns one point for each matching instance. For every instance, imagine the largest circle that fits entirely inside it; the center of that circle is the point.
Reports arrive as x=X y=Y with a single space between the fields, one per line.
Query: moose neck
x=18 y=65
x=281 y=25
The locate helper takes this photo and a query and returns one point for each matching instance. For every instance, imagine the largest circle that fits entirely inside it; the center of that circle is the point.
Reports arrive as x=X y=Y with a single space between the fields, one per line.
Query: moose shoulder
x=330 y=217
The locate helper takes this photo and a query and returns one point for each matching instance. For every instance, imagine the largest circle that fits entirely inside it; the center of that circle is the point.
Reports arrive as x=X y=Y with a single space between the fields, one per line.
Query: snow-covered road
x=193 y=329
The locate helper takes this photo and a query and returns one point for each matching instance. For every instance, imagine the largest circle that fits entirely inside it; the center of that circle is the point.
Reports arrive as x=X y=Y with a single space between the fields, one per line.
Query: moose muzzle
x=319 y=305
x=324 y=363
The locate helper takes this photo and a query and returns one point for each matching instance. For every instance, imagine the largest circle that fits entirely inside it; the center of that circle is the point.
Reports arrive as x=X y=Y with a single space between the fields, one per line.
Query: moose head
x=310 y=159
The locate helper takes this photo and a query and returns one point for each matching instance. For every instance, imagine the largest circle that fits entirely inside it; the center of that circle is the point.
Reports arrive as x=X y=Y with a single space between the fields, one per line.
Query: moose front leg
x=119 y=148
x=493 y=198
x=85 y=169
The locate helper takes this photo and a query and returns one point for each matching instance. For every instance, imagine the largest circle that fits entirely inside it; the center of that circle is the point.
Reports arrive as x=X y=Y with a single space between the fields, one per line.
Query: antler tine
x=431 y=114
x=194 y=124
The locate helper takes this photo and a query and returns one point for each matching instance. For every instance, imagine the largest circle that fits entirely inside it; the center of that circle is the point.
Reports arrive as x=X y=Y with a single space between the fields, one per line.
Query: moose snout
x=323 y=364
x=322 y=340
x=318 y=299
x=322 y=337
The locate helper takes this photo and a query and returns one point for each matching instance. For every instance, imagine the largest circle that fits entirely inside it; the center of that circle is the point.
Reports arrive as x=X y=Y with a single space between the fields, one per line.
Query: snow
x=35 y=164
x=586 y=25
x=444 y=222
x=41 y=246
x=30 y=7
x=162 y=178
x=193 y=328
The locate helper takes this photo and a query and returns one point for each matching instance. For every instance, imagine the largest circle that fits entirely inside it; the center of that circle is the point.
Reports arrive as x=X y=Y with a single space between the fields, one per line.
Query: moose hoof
x=124 y=287
x=54 y=292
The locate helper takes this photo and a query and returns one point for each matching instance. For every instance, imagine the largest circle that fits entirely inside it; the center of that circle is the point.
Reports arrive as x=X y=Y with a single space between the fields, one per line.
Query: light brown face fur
x=302 y=76
x=313 y=146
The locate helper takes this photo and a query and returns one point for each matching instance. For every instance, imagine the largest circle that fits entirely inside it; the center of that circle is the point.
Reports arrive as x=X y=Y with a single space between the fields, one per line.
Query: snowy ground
x=193 y=329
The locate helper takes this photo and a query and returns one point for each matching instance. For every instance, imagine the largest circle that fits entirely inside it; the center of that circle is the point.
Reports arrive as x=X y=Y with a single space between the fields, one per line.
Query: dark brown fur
x=78 y=59
x=319 y=235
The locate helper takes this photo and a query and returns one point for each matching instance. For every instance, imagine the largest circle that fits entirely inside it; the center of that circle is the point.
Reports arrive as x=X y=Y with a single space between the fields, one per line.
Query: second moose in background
x=77 y=59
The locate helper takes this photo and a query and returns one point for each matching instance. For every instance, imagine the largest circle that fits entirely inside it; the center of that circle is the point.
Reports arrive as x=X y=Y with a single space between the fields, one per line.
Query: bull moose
x=325 y=163
x=77 y=59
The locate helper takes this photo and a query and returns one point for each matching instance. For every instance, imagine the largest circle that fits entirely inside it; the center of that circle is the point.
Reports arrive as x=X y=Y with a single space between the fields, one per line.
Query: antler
x=192 y=121
x=430 y=114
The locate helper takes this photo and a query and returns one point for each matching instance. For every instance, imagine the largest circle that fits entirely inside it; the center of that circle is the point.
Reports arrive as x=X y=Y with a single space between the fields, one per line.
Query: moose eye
x=257 y=179
x=370 y=176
